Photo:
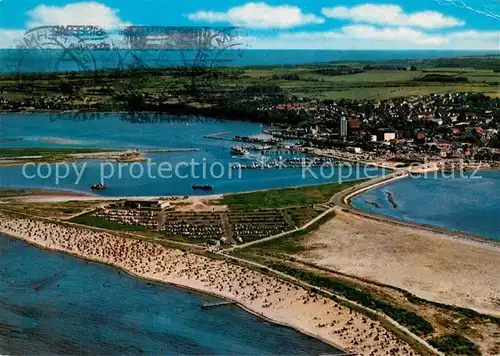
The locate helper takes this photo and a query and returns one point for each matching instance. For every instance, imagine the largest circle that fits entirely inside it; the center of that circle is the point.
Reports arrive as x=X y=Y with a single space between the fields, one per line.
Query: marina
x=293 y=163
x=188 y=167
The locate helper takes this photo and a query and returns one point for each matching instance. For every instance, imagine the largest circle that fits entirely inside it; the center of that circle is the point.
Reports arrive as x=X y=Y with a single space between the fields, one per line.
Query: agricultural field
x=378 y=84
x=333 y=80
x=383 y=92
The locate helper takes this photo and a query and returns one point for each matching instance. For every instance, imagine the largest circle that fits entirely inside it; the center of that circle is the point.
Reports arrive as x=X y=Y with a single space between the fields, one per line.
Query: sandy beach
x=40 y=195
x=270 y=297
x=430 y=265
x=193 y=202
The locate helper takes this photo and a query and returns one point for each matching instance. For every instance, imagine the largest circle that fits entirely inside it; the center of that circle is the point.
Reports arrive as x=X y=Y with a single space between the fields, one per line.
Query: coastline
x=7 y=193
x=87 y=196
x=181 y=286
x=106 y=155
x=306 y=318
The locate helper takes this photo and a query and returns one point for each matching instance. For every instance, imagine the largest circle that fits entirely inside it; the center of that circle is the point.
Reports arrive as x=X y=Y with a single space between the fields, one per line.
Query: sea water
x=52 y=303
x=213 y=159
x=464 y=202
x=51 y=60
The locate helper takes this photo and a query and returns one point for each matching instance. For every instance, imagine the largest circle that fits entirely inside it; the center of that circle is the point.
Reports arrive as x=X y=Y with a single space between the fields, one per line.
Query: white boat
x=239 y=151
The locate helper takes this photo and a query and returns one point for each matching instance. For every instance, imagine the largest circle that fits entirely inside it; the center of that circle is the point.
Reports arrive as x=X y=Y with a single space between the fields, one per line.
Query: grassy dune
x=287 y=197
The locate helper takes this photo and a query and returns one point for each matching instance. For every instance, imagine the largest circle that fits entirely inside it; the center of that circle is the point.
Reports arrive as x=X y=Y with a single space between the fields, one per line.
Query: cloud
x=9 y=38
x=392 y=15
x=366 y=37
x=393 y=34
x=80 y=13
x=365 y=32
x=259 y=15
x=478 y=35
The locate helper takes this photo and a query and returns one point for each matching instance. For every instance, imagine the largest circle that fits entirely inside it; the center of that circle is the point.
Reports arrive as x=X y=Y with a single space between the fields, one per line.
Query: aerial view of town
x=250 y=178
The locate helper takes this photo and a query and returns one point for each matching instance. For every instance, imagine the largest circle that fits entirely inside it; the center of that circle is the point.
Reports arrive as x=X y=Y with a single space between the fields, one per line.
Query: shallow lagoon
x=160 y=132
x=58 y=304
x=462 y=204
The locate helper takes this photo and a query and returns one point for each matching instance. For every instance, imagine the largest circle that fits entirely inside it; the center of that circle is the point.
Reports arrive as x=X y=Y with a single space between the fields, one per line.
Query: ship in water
x=202 y=187
x=239 y=151
x=98 y=186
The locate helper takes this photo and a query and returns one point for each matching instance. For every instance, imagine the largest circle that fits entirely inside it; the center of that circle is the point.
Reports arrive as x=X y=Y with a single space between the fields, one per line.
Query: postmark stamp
x=192 y=56
x=62 y=49
x=182 y=64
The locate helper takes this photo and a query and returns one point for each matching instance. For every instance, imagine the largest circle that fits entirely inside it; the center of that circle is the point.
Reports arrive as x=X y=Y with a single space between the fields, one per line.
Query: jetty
x=167 y=150
x=218 y=136
x=215 y=305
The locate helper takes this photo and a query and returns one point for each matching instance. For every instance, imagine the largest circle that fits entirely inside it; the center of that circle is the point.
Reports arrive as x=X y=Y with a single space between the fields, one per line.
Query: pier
x=215 y=305
x=169 y=150
x=218 y=136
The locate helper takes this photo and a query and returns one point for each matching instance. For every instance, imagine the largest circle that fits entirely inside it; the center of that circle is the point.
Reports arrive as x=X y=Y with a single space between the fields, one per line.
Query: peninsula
x=349 y=302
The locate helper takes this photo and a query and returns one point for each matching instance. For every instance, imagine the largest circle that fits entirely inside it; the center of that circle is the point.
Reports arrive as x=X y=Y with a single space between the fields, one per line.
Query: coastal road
x=337 y=200
x=274 y=237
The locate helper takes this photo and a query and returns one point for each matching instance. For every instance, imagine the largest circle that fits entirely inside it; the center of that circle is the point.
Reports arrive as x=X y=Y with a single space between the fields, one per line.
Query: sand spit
x=433 y=266
x=59 y=141
x=267 y=296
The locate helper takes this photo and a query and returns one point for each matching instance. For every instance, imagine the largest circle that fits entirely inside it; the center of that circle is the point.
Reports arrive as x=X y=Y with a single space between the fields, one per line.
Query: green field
x=455 y=345
x=382 y=92
x=378 y=81
x=97 y=221
x=284 y=198
x=380 y=84
x=49 y=210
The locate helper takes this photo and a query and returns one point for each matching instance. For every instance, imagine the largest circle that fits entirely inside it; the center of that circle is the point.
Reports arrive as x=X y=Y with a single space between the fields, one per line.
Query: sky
x=293 y=24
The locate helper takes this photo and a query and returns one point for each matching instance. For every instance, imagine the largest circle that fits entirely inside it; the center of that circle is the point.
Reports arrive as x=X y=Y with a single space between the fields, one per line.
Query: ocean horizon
x=14 y=60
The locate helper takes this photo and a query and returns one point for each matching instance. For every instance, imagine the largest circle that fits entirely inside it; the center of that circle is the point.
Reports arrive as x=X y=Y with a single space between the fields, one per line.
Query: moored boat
x=98 y=186
x=202 y=187
x=238 y=150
